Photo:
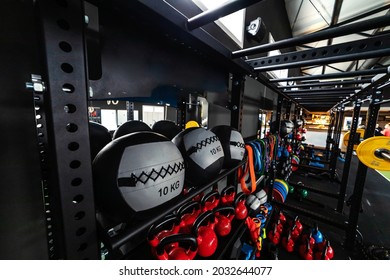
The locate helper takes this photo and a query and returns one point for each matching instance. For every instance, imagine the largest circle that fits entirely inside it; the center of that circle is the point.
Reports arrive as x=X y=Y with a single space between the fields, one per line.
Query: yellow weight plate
x=348 y=134
x=191 y=124
x=369 y=154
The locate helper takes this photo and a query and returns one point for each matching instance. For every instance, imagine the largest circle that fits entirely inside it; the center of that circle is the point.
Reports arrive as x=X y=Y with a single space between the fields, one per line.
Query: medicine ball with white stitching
x=203 y=155
x=137 y=174
x=232 y=143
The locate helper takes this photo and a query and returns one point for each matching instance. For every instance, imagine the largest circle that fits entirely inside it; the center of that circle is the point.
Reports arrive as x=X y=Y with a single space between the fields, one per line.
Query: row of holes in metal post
x=69 y=108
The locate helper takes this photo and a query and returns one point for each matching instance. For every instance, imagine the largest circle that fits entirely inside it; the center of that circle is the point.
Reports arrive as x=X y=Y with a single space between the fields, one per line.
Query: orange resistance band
x=249 y=167
x=271 y=141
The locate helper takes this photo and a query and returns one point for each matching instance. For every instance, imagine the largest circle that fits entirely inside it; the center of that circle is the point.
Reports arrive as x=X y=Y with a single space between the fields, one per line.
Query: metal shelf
x=117 y=241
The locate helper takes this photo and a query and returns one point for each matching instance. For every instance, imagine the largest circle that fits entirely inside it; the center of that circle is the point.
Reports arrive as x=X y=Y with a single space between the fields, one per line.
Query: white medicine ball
x=203 y=155
x=232 y=143
x=136 y=174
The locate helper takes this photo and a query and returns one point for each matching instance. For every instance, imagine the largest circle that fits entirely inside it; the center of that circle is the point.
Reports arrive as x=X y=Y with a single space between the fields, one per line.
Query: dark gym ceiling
x=309 y=16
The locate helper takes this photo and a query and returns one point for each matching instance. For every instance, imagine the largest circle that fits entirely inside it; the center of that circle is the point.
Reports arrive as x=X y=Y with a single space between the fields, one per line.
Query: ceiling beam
x=364 y=15
x=377 y=46
x=335 y=18
x=211 y=15
x=323 y=84
x=368 y=63
x=295 y=92
x=367 y=72
x=316 y=36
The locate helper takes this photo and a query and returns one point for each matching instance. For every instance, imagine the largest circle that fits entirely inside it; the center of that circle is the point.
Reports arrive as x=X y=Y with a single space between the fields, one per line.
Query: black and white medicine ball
x=136 y=174
x=232 y=143
x=203 y=154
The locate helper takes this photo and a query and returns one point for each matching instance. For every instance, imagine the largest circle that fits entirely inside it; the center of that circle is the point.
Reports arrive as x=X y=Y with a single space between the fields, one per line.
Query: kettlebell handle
x=205 y=216
x=229 y=209
x=208 y=196
x=228 y=190
x=155 y=228
x=180 y=238
x=239 y=197
x=185 y=208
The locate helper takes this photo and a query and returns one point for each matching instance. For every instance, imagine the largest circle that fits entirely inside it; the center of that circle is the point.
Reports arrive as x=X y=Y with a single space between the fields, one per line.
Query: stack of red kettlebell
x=291 y=236
x=194 y=228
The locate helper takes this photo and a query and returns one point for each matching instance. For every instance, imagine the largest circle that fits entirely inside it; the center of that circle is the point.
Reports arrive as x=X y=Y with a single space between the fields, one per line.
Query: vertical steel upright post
x=276 y=128
x=70 y=179
x=348 y=155
x=336 y=142
x=288 y=109
x=334 y=136
x=329 y=135
x=356 y=198
x=130 y=110
x=238 y=86
x=237 y=104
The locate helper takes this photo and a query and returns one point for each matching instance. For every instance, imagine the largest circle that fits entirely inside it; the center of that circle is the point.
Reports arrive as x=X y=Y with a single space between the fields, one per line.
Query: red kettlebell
x=203 y=230
x=297 y=223
x=289 y=149
x=224 y=216
x=177 y=252
x=288 y=243
x=187 y=190
x=210 y=201
x=329 y=250
x=282 y=218
x=308 y=237
x=326 y=253
x=227 y=195
x=198 y=197
x=321 y=255
x=240 y=208
x=279 y=226
x=295 y=233
x=305 y=251
x=169 y=226
x=187 y=214
x=274 y=235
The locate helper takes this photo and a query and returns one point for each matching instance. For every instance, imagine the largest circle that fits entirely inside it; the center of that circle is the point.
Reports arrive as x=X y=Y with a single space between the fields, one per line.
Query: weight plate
x=369 y=152
x=278 y=186
x=348 y=134
x=283 y=183
x=277 y=195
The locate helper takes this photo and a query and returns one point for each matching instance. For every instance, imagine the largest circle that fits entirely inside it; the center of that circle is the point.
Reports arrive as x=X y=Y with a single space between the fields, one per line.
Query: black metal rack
x=120 y=239
x=67 y=176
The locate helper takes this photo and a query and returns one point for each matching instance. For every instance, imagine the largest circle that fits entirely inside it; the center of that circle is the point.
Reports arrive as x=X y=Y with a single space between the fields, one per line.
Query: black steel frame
x=361 y=49
x=348 y=154
x=356 y=198
x=70 y=175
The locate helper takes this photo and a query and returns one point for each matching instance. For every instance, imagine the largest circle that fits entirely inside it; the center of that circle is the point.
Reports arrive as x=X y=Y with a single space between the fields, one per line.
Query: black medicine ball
x=286 y=127
x=232 y=143
x=130 y=127
x=203 y=155
x=167 y=128
x=136 y=174
x=99 y=136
